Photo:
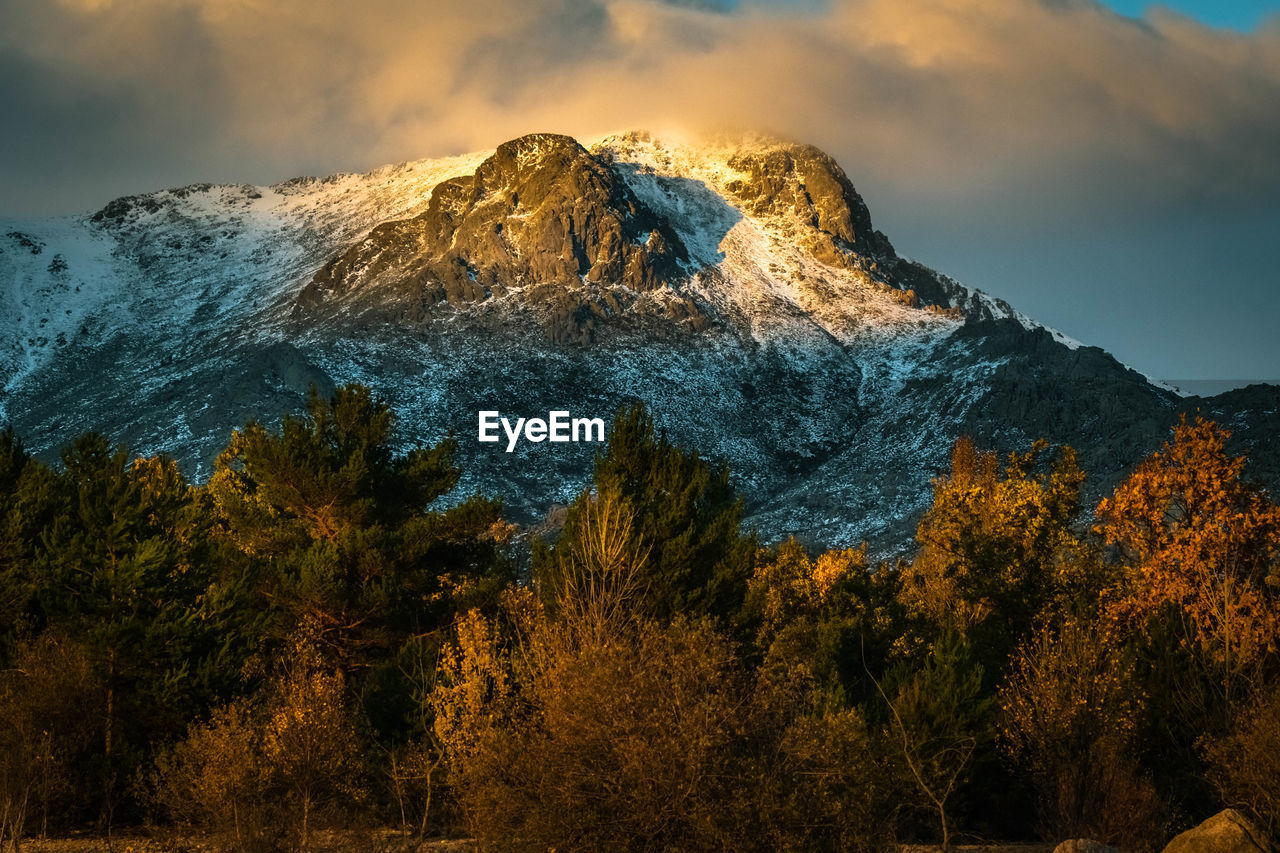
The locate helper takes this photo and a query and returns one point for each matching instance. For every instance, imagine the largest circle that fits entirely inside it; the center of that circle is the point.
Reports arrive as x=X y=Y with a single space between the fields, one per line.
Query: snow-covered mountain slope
x=738 y=288
x=104 y=313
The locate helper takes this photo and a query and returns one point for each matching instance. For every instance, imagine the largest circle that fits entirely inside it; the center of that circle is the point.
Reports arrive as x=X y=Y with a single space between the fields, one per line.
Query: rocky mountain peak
x=738 y=287
x=579 y=237
x=805 y=184
x=541 y=216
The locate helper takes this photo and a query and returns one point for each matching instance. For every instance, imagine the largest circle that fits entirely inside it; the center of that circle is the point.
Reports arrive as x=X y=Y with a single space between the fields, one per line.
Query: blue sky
x=1243 y=15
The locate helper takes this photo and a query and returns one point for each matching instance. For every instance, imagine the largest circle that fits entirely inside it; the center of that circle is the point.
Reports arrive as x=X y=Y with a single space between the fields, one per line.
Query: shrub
x=47 y=699
x=1245 y=765
x=262 y=776
x=1069 y=715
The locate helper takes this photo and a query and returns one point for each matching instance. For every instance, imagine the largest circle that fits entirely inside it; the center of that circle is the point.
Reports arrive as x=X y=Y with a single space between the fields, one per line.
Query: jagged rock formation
x=541 y=213
x=740 y=289
x=805 y=183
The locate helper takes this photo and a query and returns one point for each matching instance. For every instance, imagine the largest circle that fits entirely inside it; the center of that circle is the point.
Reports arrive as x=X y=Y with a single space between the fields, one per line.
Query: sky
x=1112 y=171
x=1243 y=15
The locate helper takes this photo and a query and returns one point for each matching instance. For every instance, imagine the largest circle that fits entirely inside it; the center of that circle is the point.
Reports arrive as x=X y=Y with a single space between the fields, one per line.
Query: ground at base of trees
x=387 y=841
x=377 y=841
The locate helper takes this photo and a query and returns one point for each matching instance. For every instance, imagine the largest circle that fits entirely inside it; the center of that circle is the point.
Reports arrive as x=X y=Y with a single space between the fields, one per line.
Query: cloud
x=1050 y=151
x=944 y=98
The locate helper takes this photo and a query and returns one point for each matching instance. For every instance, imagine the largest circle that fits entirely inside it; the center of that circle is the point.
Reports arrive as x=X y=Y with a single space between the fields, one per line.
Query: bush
x=603 y=728
x=213 y=779
x=47 y=700
x=608 y=743
x=263 y=776
x=817 y=776
x=1069 y=715
x=1245 y=765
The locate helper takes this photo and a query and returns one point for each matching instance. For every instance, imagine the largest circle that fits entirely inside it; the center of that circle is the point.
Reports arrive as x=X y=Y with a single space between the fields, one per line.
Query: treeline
x=310 y=641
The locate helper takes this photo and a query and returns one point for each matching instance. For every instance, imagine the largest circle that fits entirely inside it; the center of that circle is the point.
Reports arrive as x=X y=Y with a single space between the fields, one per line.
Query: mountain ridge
x=739 y=289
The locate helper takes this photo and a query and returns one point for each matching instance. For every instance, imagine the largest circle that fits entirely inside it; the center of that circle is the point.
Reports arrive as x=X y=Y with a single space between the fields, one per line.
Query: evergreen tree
x=942 y=722
x=346 y=540
x=124 y=565
x=686 y=519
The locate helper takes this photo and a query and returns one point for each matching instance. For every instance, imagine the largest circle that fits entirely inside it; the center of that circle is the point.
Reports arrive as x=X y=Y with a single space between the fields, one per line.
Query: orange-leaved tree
x=1198 y=544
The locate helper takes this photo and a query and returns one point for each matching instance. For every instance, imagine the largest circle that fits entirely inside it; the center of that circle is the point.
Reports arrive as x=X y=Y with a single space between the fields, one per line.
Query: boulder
x=1226 y=832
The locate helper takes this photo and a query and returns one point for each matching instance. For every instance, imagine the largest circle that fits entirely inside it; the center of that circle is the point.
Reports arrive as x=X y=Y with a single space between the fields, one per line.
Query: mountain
x=738 y=288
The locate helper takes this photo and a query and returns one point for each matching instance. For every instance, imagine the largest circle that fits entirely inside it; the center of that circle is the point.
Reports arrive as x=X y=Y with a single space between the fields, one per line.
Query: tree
x=576 y=740
x=940 y=719
x=213 y=779
x=345 y=525
x=26 y=503
x=346 y=537
x=124 y=564
x=814 y=612
x=1198 y=545
x=309 y=744
x=811 y=772
x=995 y=548
x=602 y=579
x=685 y=516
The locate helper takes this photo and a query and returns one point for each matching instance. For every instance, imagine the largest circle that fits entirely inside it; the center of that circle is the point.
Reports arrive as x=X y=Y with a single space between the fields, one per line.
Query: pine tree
x=686 y=517
x=347 y=541
x=124 y=566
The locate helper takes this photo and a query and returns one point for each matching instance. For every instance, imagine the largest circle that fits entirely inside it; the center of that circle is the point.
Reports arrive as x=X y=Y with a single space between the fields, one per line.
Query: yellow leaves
x=1201 y=540
x=1067 y=687
x=788 y=583
x=158 y=476
x=991 y=534
x=832 y=567
x=474 y=680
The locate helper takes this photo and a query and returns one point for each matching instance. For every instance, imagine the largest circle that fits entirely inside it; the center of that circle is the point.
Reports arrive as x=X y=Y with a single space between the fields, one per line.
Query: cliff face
x=805 y=183
x=739 y=289
x=540 y=215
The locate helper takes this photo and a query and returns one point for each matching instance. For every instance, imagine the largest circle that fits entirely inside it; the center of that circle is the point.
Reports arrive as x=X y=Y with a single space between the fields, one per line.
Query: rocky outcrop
x=1226 y=832
x=802 y=182
x=541 y=216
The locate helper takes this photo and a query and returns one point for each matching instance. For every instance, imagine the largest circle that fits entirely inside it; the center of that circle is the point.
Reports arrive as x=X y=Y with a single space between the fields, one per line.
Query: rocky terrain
x=738 y=288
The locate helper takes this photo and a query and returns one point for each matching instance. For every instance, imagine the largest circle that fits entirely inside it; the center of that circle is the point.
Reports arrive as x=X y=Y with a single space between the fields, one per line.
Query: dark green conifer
x=686 y=519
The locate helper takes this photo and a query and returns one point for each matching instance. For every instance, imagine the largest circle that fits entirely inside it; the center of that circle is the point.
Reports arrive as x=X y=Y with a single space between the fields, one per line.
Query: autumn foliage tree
x=591 y=724
x=815 y=611
x=1244 y=764
x=995 y=547
x=1198 y=544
